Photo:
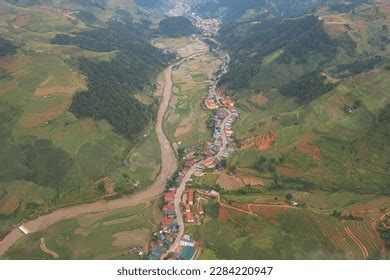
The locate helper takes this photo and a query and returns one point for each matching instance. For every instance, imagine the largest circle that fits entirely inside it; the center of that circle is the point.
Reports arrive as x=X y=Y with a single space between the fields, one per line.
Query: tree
x=289 y=196
x=101 y=187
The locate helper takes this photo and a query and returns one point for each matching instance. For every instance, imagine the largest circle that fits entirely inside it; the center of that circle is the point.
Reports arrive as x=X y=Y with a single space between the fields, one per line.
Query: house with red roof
x=200 y=210
x=210 y=104
x=169 y=197
x=198 y=220
x=169 y=209
x=210 y=163
x=191 y=197
x=190 y=218
x=167 y=221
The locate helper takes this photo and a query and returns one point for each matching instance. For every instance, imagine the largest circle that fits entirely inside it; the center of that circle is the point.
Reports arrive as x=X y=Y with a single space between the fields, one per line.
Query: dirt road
x=169 y=166
x=182 y=187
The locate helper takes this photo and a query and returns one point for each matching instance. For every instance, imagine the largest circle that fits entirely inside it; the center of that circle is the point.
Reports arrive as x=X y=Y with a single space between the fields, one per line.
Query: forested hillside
x=312 y=89
x=111 y=82
x=6 y=47
x=300 y=41
x=74 y=75
x=177 y=27
x=231 y=10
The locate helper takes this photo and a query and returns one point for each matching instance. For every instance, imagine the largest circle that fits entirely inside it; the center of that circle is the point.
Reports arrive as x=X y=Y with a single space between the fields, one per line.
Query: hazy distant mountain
x=260 y=9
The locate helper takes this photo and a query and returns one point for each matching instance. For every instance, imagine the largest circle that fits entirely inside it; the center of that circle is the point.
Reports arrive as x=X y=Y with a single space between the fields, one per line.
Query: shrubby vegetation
x=307 y=88
x=358 y=66
x=110 y=83
x=265 y=165
x=385 y=232
x=31 y=160
x=86 y=17
x=177 y=27
x=7 y=47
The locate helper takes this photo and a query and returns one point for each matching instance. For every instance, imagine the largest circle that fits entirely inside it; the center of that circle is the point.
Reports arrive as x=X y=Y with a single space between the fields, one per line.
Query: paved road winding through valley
x=169 y=166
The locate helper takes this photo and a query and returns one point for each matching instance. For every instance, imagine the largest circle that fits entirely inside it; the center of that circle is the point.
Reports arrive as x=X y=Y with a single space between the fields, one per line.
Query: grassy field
x=93 y=236
x=50 y=158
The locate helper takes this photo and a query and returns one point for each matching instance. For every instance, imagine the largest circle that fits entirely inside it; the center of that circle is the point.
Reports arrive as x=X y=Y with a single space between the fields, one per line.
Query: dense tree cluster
x=6 y=47
x=177 y=27
x=300 y=39
x=307 y=88
x=232 y=9
x=86 y=17
x=385 y=232
x=110 y=83
x=358 y=66
x=32 y=160
x=263 y=164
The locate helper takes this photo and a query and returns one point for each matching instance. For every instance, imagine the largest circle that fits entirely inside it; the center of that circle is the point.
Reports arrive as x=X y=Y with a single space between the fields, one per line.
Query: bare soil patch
x=125 y=239
x=53 y=90
x=230 y=183
x=8 y=204
x=223 y=214
x=259 y=99
x=290 y=172
x=185 y=127
x=261 y=142
x=306 y=146
x=7 y=86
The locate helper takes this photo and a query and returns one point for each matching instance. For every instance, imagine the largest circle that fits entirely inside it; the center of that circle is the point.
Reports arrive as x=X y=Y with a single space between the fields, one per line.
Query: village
x=182 y=204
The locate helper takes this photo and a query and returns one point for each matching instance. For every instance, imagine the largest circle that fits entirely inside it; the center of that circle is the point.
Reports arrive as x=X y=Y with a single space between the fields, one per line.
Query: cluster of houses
x=193 y=213
x=169 y=228
x=209 y=26
x=202 y=158
x=166 y=236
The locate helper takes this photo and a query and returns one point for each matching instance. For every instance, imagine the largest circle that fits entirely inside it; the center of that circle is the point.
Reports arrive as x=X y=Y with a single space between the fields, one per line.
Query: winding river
x=169 y=165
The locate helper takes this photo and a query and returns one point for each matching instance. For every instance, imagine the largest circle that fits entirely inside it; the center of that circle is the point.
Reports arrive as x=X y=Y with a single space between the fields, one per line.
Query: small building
x=188 y=253
x=210 y=104
x=191 y=197
x=167 y=221
x=198 y=220
x=200 y=210
x=169 y=209
x=190 y=218
x=188 y=208
x=214 y=193
x=155 y=254
x=228 y=102
x=210 y=163
x=169 y=197
x=293 y=203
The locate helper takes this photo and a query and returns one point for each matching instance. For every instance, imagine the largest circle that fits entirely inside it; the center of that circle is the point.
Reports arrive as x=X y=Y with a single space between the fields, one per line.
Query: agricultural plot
x=93 y=236
x=50 y=158
x=321 y=143
x=185 y=120
x=184 y=46
x=286 y=233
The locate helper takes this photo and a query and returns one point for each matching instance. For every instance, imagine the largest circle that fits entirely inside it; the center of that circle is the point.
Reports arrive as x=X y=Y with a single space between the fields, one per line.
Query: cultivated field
x=66 y=155
x=185 y=120
x=93 y=236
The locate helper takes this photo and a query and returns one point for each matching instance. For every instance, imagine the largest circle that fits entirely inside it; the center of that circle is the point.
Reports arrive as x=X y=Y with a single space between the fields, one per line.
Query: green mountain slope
x=312 y=90
x=67 y=127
